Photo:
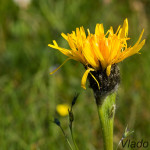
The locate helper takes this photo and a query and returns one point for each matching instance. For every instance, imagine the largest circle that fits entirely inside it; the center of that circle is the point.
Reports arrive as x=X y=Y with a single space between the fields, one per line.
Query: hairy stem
x=106 y=113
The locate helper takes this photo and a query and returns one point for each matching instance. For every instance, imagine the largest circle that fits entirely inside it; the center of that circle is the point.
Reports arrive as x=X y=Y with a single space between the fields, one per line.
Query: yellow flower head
x=62 y=109
x=100 y=50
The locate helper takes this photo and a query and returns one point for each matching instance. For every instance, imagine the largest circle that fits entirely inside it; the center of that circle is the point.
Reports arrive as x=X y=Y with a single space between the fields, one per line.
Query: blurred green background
x=29 y=95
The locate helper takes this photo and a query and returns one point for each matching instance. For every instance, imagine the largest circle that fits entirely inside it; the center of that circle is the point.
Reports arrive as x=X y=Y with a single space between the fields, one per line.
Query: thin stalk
x=66 y=138
x=72 y=135
x=106 y=113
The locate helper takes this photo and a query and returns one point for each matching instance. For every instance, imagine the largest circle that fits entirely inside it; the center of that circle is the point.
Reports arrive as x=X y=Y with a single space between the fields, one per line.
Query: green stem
x=106 y=113
x=66 y=138
x=74 y=142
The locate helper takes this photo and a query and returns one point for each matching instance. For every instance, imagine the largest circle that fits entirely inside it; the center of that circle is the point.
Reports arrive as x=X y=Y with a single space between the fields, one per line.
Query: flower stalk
x=106 y=113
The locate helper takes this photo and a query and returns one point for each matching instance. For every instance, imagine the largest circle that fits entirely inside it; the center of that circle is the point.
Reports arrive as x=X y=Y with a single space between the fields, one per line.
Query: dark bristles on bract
x=108 y=84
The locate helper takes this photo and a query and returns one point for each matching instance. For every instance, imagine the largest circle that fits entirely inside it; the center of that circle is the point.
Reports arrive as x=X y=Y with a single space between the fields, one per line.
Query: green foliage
x=29 y=95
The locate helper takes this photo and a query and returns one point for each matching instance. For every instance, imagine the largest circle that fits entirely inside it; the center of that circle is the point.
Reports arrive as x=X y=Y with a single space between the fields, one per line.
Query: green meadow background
x=29 y=95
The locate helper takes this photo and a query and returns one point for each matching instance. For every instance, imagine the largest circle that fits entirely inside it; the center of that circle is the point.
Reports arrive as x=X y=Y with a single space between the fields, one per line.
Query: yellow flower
x=98 y=51
x=62 y=109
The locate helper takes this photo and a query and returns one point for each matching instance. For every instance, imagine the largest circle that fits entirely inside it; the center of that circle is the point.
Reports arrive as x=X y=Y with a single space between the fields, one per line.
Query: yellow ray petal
x=140 y=37
x=124 y=31
x=115 y=48
x=64 y=36
x=59 y=66
x=88 y=32
x=108 y=70
x=79 y=40
x=71 y=43
x=110 y=31
x=62 y=50
x=98 y=52
x=99 y=30
x=82 y=32
x=90 y=55
x=55 y=43
x=84 y=78
x=130 y=51
x=136 y=49
x=117 y=30
x=95 y=80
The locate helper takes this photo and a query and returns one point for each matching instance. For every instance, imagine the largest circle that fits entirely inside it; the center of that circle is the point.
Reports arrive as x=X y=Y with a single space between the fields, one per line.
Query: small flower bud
x=56 y=121
x=71 y=116
x=75 y=99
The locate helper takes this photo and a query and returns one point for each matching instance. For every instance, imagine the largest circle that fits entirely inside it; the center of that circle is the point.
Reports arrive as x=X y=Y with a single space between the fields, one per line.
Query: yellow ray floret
x=62 y=109
x=98 y=51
